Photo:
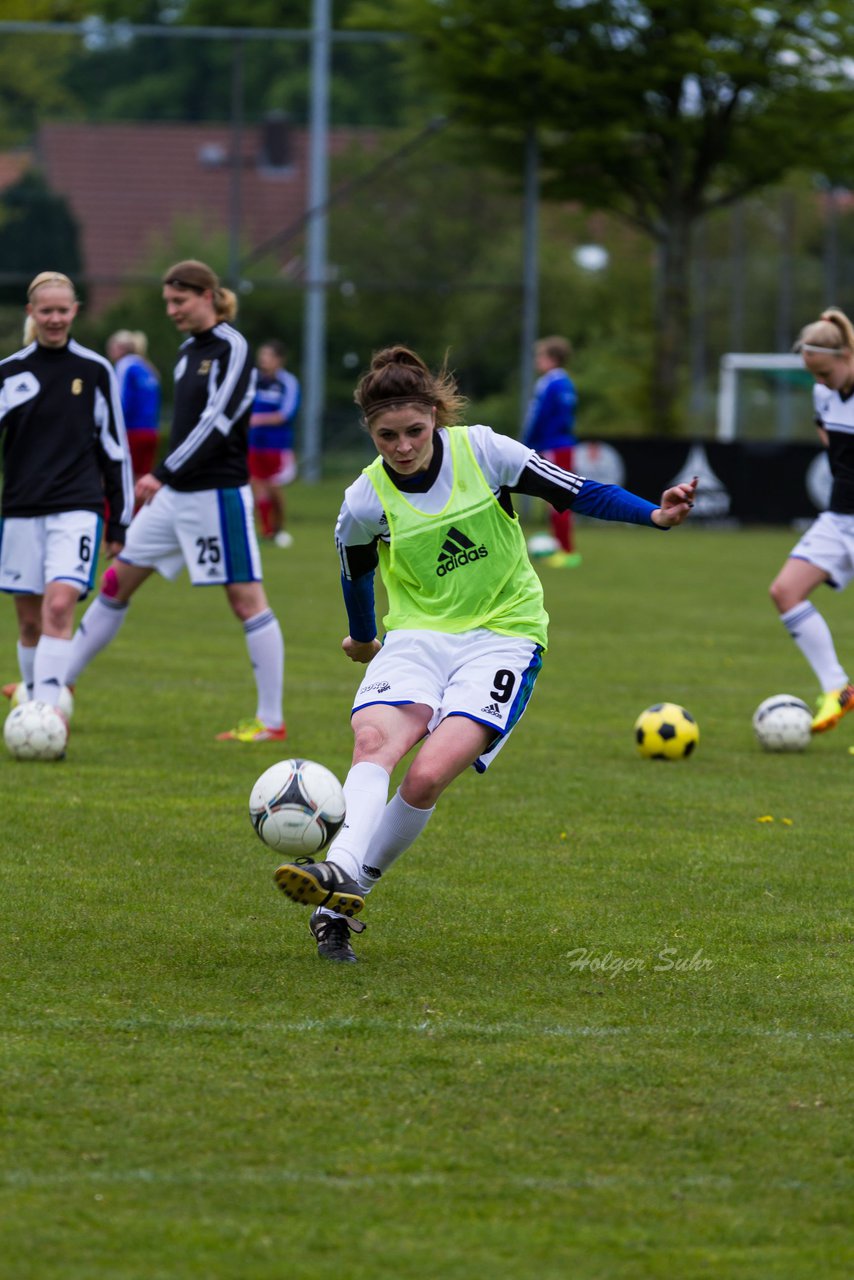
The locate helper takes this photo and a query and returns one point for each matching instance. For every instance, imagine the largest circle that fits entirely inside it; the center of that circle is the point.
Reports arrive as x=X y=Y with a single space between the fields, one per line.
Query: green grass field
x=601 y=1021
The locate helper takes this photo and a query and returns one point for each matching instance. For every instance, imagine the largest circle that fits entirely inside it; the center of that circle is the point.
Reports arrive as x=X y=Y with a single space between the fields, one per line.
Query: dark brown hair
x=556 y=348
x=198 y=276
x=398 y=377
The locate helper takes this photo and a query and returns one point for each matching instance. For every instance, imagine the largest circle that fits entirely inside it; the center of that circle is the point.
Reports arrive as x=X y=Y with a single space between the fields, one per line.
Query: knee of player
x=781 y=595
x=370 y=742
x=246 y=600
x=422 y=786
x=113 y=585
x=110 y=583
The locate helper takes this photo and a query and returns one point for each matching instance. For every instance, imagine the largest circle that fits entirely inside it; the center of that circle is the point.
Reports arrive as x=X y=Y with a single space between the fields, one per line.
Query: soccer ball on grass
x=783 y=723
x=35 y=731
x=666 y=731
x=541 y=545
x=297 y=806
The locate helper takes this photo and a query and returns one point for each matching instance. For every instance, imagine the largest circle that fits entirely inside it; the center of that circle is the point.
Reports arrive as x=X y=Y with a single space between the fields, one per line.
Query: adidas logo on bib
x=457 y=551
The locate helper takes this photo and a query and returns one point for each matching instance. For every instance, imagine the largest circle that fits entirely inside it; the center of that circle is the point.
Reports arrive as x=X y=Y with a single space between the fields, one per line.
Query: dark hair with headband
x=398 y=377
x=198 y=277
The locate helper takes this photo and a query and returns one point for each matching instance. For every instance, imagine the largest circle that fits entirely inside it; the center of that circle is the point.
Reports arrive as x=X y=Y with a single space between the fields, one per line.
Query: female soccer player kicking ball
x=825 y=554
x=466 y=627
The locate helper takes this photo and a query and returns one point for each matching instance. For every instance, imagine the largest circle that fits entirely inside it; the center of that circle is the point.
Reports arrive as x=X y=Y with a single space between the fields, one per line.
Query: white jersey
x=507 y=465
x=501 y=459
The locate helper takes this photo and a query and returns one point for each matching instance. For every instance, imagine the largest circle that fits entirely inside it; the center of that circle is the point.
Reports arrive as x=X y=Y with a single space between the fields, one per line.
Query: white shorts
x=211 y=531
x=829 y=544
x=479 y=674
x=35 y=550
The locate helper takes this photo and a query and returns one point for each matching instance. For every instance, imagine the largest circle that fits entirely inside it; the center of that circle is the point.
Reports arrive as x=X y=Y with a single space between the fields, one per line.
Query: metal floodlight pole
x=530 y=270
x=314 y=318
x=236 y=175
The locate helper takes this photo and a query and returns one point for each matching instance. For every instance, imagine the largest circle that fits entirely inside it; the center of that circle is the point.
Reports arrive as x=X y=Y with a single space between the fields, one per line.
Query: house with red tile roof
x=128 y=183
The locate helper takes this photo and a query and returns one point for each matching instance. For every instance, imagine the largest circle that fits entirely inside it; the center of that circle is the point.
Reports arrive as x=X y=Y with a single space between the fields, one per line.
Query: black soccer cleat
x=333 y=937
x=320 y=884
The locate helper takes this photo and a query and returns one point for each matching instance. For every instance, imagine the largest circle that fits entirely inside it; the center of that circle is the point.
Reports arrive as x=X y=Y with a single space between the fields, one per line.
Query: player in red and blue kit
x=139 y=389
x=550 y=429
x=272 y=461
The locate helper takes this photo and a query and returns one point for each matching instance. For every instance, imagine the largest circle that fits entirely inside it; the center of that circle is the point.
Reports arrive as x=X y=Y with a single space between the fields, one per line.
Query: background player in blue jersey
x=197 y=504
x=550 y=429
x=139 y=388
x=64 y=453
x=826 y=551
x=466 y=626
x=272 y=460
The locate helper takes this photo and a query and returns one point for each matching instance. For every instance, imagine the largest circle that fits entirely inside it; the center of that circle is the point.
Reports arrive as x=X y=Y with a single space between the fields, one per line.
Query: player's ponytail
x=225 y=303
x=398 y=377
x=833 y=333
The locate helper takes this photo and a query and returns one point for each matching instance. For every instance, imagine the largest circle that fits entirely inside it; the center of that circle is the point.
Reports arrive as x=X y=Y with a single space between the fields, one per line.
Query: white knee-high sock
x=26 y=662
x=266 y=647
x=366 y=793
x=49 y=668
x=399 y=827
x=99 y=625
x=812 y=635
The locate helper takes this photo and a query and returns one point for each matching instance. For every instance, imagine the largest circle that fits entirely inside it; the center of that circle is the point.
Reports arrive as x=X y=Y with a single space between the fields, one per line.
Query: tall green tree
x=32 y=68
x=38 y=232
x=658 y=110
x=123 y=74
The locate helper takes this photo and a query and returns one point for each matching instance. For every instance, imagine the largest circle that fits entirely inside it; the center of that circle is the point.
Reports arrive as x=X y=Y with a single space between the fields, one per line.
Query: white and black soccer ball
x=783 y=723
x=297 y=806
x=541 y=545
x=36 y=731
x=65 y=704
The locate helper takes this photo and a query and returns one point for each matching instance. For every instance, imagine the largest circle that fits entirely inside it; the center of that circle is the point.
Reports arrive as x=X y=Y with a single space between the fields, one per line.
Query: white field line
x=437 y=1025
x=23 y=1179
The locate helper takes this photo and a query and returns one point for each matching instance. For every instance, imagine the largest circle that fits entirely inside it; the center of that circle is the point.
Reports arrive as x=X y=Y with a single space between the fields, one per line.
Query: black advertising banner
x=740 y=482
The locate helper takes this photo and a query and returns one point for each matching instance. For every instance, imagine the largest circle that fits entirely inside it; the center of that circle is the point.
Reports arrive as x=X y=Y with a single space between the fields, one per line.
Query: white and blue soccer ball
x=783 y=723
x=65 y=704
x=541 y=545
x=35 y=731
x=297 y=806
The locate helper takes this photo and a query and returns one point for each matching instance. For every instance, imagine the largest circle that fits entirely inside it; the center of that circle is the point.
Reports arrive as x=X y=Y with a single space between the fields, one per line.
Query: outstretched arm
x=676 y=504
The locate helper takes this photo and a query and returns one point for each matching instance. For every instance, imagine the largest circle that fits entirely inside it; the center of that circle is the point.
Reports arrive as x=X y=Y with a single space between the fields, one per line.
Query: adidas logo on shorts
x=491 y=709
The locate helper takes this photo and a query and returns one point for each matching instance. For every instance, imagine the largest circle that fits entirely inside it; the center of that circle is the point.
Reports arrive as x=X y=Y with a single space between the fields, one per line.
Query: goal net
x=764 y=396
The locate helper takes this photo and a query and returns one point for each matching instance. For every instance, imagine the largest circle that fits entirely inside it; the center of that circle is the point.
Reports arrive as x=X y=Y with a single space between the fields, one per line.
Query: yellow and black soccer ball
x=666 y=731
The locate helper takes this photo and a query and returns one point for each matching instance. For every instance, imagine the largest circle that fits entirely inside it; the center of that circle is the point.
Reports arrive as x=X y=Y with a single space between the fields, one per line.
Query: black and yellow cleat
x=320 y=884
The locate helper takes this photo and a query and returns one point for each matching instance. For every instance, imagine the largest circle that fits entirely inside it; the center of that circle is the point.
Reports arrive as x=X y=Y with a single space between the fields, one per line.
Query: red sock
x=561 y=522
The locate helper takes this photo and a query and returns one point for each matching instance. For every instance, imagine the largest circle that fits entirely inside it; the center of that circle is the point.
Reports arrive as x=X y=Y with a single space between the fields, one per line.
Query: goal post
x=731 y=365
